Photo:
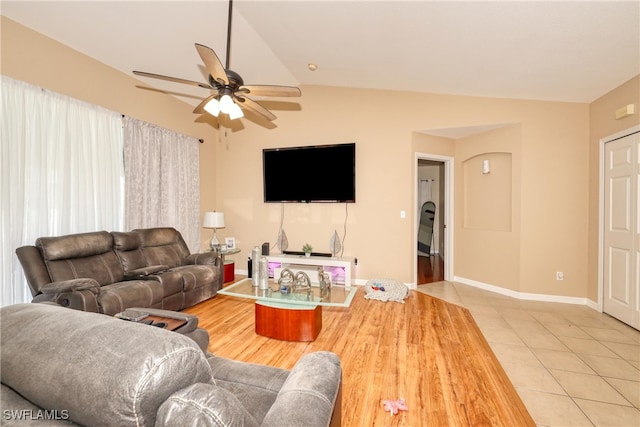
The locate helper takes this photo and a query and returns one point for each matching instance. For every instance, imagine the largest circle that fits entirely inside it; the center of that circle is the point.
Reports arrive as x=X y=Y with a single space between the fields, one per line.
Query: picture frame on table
x=230 y=242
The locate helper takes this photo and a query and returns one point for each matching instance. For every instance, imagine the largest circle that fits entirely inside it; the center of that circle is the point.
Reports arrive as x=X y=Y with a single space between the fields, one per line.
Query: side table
x=229 y=265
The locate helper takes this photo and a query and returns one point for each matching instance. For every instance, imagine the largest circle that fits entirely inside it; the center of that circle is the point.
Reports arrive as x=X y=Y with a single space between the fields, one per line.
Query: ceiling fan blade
x=200 y=108
x=213 y=64
x=172 y=79
x=270 y=90
x=253 y=106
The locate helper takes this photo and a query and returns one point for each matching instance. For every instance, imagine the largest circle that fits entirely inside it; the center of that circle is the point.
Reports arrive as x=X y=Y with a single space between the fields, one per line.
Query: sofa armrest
x=73 y=285
x=310 y=394
x=78 y=294
x=142 y=272
x=205 y=258
x=203 y=405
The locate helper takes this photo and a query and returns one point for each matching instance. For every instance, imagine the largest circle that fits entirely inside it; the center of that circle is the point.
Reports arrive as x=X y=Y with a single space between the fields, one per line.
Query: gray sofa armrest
x=78 y=294
x=204 y=258
x=310 y=394
x=71 y=285
x=78 y=300
x=203 y=405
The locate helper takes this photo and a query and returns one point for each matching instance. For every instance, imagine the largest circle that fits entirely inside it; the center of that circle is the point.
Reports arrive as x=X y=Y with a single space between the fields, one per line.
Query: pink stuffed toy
x=394 y=406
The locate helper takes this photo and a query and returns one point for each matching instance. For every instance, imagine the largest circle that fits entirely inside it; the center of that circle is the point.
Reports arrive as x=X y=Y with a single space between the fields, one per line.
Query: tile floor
x=571 y=365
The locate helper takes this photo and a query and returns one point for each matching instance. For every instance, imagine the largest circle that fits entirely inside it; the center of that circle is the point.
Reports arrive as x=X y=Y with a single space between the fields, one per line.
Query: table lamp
x=213 y=220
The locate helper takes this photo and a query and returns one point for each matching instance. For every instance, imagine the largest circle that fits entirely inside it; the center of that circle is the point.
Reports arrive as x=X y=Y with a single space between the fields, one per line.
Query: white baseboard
x=527 y=296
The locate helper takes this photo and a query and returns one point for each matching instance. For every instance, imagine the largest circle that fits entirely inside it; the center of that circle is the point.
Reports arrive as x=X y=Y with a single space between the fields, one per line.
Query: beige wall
x=550 y=156
x=602 y=125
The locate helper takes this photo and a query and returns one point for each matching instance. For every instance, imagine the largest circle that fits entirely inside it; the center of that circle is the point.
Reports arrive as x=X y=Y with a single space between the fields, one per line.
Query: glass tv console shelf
x=341 y=268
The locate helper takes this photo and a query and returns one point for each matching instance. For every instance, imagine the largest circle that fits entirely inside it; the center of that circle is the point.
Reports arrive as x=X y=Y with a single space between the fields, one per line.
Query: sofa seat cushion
x=255 y=386
x=119 y=296
x=66 y=359
x=194 y=276
x=171 y=281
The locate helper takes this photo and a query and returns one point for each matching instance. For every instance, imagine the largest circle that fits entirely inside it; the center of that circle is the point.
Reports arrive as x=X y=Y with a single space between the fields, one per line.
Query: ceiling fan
x=230 y=95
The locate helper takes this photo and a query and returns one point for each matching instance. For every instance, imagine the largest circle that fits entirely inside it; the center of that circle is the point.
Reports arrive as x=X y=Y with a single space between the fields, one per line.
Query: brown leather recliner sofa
x=109 y=272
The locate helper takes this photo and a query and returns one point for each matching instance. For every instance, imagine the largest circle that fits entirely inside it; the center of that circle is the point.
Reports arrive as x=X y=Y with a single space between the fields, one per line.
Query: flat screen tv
x=312 y=174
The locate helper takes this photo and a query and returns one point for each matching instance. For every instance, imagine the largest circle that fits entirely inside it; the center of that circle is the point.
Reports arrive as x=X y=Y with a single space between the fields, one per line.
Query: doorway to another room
x=431 y=214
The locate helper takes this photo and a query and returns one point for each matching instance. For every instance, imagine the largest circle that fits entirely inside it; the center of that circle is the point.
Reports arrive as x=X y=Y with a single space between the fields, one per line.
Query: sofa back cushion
x=128 y=247
x=100 y=369
x=163 y=246
x=83 y=255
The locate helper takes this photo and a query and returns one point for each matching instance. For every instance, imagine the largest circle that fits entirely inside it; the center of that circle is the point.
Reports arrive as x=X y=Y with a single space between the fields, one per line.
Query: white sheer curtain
x=62 y=172
x=162 y=183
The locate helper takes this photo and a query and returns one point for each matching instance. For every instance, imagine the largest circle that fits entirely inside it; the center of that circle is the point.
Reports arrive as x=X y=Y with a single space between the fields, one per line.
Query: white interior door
x=621 y=230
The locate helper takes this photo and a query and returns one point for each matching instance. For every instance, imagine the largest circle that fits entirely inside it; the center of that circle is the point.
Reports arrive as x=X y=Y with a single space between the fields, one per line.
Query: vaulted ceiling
x=570 y=51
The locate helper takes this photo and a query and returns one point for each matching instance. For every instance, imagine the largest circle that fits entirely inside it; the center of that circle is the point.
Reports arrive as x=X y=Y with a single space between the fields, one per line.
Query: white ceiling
x=570 y=51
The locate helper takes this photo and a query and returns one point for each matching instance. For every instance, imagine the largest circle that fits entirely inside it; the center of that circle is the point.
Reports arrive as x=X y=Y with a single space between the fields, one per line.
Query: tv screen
x=321 y=173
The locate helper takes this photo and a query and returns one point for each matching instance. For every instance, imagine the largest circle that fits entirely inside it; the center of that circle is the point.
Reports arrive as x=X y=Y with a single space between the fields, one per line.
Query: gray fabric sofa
x=110 y=272
x=61 y=367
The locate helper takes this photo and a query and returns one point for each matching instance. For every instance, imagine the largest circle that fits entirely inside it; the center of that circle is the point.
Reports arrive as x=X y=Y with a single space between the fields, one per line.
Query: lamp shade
x=213 y=220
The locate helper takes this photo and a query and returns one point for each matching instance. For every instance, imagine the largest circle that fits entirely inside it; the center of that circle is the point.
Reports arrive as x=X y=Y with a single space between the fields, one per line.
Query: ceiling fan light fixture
x=236 y=112
x=226 y=103
x=213 y=107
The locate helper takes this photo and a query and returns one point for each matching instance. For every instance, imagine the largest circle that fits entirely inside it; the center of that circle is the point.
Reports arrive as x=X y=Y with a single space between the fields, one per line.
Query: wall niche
x=488 y=197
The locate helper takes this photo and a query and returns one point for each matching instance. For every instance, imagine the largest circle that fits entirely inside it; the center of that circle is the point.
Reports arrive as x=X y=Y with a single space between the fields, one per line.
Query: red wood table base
x=288 y=322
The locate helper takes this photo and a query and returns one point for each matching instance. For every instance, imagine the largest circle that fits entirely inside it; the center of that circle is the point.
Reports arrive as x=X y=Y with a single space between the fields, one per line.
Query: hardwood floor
x=427 y=351
x=430 y=269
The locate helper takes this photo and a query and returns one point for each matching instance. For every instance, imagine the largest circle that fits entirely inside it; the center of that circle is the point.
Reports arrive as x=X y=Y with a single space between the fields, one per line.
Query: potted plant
x=307 y=249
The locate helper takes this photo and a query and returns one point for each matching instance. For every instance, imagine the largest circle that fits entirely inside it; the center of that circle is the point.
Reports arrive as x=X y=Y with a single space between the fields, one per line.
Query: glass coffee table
x=296 y=316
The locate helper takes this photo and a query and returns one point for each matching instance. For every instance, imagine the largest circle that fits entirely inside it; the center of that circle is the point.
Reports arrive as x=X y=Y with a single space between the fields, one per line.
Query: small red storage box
x=229 y=270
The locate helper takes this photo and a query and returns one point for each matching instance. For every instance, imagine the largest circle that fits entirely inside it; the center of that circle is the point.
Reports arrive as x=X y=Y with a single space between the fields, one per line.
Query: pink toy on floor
x=394 y=406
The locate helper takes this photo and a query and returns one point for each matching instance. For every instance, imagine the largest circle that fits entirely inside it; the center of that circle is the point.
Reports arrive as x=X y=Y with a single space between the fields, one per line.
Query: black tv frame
x=310 y=174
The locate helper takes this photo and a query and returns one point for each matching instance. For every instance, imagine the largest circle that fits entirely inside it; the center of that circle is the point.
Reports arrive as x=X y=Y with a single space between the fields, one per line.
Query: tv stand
x=300 y=253
x=345 y=264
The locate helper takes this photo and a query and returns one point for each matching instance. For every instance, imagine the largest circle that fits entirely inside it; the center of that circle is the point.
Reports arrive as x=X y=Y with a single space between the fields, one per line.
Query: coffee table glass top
x=338 y=297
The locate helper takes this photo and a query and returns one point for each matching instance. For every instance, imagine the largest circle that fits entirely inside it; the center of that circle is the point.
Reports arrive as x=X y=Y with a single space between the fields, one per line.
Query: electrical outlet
x=559 y=275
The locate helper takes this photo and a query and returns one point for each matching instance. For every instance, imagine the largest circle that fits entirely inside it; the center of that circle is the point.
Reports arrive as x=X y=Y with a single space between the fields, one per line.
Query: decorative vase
x=263 y=280
x=255 y=266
